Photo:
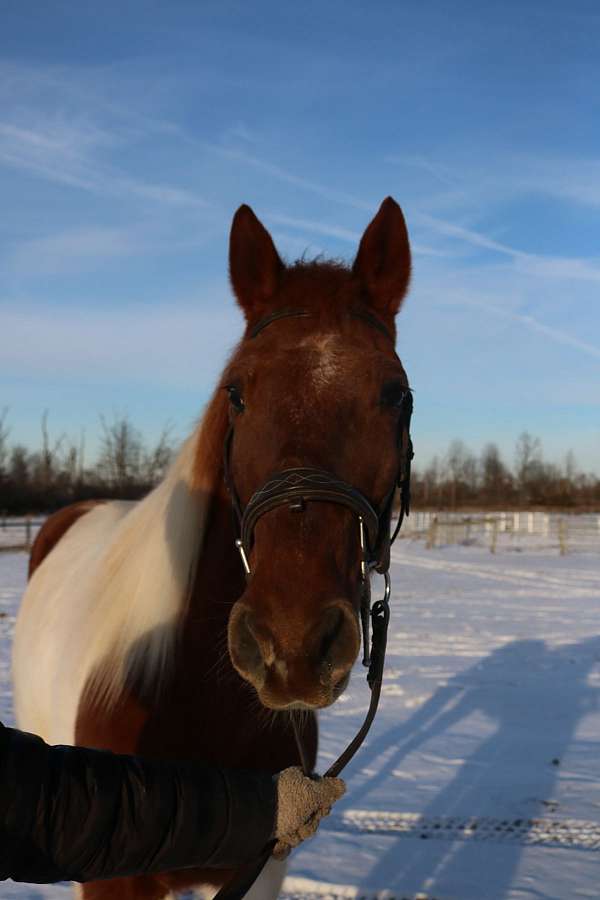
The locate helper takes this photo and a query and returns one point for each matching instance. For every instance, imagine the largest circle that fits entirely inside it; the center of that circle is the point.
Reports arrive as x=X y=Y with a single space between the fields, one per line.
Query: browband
x=355 y=312
x=279 y=314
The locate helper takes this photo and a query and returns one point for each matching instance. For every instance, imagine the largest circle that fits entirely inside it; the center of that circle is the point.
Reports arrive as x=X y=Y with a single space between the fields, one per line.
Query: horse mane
x=324 y=285
x=146 y=572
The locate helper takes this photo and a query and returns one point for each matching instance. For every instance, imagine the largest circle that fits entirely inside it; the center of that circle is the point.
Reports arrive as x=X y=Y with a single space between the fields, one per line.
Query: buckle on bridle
x=363 y=549
x=380 y=617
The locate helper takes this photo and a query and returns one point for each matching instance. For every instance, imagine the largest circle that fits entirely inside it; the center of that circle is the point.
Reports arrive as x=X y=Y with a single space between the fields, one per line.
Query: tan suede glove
x=301 y=804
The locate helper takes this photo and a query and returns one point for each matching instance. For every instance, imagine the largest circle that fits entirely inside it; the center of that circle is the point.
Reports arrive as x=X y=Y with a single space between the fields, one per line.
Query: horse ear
x=254 y=264
x=382 y=263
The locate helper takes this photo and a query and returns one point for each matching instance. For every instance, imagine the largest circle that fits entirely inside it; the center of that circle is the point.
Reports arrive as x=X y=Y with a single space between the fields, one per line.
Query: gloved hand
x=301 y=804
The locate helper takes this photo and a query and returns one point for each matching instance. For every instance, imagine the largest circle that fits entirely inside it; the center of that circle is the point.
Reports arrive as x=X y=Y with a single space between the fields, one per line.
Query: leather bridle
x=295 y=488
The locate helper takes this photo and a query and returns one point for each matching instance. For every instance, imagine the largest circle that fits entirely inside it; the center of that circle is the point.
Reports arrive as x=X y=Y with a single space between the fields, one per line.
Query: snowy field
x=481 y=777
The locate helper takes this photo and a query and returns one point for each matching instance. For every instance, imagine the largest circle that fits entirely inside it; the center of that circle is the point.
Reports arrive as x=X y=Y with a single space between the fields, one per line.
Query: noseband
x=295 y=488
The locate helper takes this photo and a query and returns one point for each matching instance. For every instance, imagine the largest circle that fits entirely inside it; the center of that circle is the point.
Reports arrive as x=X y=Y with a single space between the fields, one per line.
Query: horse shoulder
x=54 y=528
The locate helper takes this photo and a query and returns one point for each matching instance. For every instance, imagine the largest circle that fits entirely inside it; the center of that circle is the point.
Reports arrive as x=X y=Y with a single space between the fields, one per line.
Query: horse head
x=315 y=387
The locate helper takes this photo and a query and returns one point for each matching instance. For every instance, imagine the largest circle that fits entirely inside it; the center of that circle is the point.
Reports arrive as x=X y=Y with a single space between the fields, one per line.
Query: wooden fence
x=498 y=531
x=18 y=533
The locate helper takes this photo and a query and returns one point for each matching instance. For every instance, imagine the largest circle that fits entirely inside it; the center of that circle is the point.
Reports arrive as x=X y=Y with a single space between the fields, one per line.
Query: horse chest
x=210 y=716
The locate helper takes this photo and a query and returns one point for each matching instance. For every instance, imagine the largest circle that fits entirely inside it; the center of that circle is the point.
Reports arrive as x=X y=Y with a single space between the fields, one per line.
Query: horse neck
x=219 y=580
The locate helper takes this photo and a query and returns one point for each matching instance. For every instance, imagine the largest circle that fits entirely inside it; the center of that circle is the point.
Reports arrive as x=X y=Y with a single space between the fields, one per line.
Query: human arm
x=70 y=813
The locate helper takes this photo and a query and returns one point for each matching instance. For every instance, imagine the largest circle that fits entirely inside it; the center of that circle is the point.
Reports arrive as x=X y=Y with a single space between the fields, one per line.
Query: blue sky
x=130 y=133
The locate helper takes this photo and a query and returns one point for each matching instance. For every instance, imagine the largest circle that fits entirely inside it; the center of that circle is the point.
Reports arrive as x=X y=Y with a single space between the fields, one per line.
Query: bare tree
x=157 y=459
x=4 y=432
x=124 y=461
x=462 y=471
x=121 y=452
x=81 y=456
x=49 y=455
x=431 y=481
x=494 y=475
x=570 y=466
x=71 y=464
x=528 y=461
x=54 y=474
x=19 y=466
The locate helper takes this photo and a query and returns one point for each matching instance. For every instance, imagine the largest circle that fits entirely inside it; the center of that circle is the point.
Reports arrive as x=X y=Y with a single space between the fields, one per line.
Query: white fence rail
x=497 y=531
x=505 y=531
x=18 y=533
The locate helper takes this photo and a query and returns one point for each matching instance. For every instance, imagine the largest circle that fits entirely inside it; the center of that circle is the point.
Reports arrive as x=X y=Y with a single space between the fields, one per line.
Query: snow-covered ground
x=480 y=779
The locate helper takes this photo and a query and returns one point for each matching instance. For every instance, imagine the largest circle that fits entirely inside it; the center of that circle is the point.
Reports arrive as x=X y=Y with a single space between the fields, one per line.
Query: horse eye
x=393 y=395
x=235 y=397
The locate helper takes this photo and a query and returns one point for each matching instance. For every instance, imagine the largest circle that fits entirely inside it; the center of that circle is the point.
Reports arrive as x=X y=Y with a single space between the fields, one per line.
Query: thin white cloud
x=536 y=265
x=283 y=175
x=64 y=154
x=296 y=247
x=177 y=344
x=576 y=180
x=475 y=238
x=345 y=234
x=471 y=181
x=439 y=172
x=83 y=249
x=558 y=335
x=75 y=92
x=555 y=267
x=559 y=267
x=72 y=249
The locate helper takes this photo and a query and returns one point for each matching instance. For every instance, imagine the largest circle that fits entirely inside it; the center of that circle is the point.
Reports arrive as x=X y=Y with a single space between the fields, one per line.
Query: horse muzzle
x=290 y=665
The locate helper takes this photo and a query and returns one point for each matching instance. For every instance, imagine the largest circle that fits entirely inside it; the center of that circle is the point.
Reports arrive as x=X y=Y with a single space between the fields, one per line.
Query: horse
x=150 y=627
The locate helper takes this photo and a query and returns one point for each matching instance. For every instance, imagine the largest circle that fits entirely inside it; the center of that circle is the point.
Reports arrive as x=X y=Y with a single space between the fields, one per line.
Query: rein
x=295 y=487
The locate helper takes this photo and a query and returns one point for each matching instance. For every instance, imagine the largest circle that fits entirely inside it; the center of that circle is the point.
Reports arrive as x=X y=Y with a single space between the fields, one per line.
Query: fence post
x=494 y=535
x=431 y=534
x=562 y=536
x=28 y=533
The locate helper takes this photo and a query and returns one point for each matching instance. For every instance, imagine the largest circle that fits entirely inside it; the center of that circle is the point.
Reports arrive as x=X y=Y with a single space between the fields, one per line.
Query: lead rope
x=373 y=655
x=245 y=877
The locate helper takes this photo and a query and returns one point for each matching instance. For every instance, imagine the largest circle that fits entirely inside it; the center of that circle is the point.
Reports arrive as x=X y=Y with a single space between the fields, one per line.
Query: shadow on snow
x=534 y=696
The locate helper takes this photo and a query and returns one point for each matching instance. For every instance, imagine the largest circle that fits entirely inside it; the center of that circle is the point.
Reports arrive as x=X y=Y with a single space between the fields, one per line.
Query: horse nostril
x=332 y=626
x=244 y=646
x=338 y=641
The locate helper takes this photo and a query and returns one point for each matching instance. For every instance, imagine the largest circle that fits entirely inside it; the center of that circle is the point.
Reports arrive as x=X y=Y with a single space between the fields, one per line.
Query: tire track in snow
x=295 y=888
x=576 y=834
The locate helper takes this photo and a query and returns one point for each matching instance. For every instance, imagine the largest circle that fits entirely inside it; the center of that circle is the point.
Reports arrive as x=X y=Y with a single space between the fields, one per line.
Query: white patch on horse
x=327 y=361
x=106 y=601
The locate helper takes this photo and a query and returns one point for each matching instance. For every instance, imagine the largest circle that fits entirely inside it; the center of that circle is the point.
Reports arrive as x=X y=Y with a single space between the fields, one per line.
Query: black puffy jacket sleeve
x=73 y=814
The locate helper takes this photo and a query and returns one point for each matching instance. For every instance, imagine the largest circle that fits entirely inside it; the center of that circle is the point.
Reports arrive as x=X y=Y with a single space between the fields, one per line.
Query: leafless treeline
x=462 y=479
x=127 y=467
